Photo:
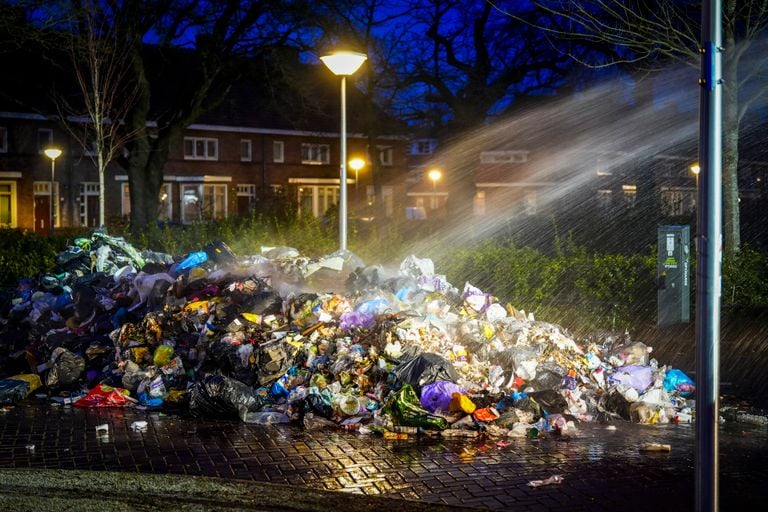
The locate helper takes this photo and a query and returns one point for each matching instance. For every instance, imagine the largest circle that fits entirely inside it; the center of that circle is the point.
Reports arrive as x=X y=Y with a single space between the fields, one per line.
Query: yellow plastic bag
x=31 y=379
x=461 y=403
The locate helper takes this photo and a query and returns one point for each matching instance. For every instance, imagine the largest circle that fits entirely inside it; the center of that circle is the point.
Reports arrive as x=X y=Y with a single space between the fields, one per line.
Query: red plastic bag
x=105 y=396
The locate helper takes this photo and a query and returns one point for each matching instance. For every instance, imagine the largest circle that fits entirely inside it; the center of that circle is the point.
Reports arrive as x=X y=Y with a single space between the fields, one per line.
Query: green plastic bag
x=406 y=409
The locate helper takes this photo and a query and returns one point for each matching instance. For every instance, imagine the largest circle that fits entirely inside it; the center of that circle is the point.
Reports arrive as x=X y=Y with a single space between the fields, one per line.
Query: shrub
x=25 y=254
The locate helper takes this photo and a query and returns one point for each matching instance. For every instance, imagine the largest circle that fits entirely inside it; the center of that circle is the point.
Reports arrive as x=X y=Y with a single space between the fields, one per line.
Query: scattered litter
x=139 y=426
x=553 y=480
x=326 y=342
x=656 y=447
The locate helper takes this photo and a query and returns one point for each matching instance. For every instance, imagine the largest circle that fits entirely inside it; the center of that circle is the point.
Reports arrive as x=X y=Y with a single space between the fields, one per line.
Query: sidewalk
x=40 y=490
x=52 y=458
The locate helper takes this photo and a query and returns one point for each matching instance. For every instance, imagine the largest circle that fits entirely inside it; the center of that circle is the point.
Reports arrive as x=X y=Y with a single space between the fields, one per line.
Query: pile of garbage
x=326 y=342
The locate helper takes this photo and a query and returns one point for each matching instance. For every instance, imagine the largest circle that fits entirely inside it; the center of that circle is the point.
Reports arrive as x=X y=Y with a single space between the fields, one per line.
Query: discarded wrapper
x=554 y=479
x=139 y=426
x=656 y=447
x=102 y=430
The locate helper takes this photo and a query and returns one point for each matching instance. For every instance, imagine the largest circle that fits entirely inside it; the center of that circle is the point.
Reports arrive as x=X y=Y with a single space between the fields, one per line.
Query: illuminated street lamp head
x=695 y=169
x=344 y=63
x=435 y=175
x=356 y=164
x=52 y=153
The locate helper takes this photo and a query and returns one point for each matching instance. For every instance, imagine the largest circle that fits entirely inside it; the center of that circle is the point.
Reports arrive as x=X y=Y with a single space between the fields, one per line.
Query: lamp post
x=343 y=64
x=435 y=176
x=53 y=154
x=356 y=164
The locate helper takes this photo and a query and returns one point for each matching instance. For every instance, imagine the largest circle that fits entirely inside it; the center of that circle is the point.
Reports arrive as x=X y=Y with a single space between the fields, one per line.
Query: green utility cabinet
x=674 y=275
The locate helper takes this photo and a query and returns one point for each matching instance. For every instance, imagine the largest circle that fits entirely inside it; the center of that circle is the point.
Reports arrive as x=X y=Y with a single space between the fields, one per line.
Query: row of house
x=240 y=158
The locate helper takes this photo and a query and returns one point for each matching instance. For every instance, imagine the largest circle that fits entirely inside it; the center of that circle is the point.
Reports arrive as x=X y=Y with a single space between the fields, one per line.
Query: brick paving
x=602 y=469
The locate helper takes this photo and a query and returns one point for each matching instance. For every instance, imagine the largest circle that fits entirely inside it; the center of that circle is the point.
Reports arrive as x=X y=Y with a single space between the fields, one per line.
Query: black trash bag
x=217 y=396
x=614 y=404
x=84 y=298
x=315 y=404
x=550 y=401
x=13 y=390
x=272 y=361
x=528 y=404
x=548 y=376
x=219 y=252
x=229 y=362
x=265 y=302
x=66 y=369
x=425 y=369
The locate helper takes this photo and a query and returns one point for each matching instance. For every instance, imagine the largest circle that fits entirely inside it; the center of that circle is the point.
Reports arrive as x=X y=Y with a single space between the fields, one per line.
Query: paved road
x=602 y=469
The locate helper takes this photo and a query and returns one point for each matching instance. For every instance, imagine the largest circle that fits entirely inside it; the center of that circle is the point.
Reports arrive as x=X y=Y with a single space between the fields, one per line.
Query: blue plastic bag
x=676 y=380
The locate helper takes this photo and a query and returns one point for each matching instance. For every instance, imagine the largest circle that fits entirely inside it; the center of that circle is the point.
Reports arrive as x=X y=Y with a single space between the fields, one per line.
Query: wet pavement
x=602 y=469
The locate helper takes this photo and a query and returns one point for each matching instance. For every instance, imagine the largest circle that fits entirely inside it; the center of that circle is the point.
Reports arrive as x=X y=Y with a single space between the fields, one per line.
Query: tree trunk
x=731 y=223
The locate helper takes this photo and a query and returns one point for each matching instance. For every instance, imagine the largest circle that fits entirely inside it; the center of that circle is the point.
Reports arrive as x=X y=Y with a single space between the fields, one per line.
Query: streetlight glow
x=434 y=175
x=343 y=64
x=695 y=169
x=53 y=154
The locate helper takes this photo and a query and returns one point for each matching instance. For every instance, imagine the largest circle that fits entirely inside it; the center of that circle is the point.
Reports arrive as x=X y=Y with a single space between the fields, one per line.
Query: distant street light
x=695 y=169
x=434 y=175
x=356 y=164
x=53 y=154
x=343 y=64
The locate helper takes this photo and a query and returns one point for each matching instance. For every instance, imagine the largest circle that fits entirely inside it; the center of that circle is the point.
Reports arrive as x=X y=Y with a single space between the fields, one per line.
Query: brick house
x=229 y=162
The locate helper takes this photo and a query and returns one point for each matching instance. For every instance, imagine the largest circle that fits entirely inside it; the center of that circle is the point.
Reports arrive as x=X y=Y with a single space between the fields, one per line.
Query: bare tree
x=101 y=65
x=652 y=34
x=477 y=63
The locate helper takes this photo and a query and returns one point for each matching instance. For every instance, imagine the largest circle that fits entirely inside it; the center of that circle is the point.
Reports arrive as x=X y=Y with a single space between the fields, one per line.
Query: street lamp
x=356 y=164
x=53 y=154
x=343 y=64
x=435 y=176
x=696 y=169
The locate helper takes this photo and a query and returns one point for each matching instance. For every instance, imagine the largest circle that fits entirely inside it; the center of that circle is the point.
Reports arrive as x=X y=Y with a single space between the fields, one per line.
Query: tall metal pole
x=50 y=197
x=709 y=259
x=343 y=178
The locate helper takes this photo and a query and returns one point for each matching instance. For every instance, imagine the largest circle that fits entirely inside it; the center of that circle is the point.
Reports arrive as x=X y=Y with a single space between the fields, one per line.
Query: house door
x=243 y=206
x=92 y=209
x=42 y=215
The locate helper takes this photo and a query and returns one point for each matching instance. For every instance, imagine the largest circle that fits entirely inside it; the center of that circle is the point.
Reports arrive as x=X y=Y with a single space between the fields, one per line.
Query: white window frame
x=385 y=155
x=248 y=156
x=423 y=146
x=313 y=153
x=42 y=188
x=207 y=154
x=278 y=151
x=41 y=146
x=323 y=196
x=3 y=139
x=14 y=203
x=247 y=190
x=203 y=189
x=604 y=198
x=87 y=188
x=504 y=157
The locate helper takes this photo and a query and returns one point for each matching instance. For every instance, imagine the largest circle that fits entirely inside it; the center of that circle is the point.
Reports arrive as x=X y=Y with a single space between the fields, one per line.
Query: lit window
x=245 y=150
x=630 y=195
x=165 y=204
x=8 y=204
x=203 y=202
x=315 y=154
x=199 y=148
